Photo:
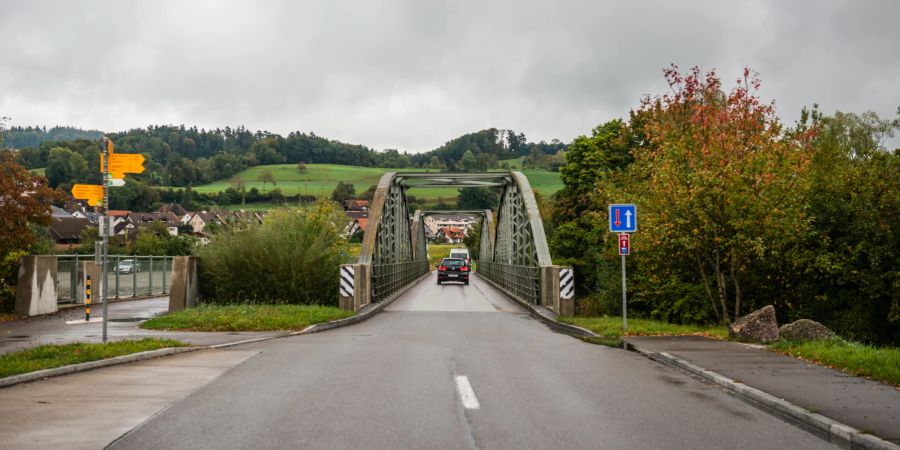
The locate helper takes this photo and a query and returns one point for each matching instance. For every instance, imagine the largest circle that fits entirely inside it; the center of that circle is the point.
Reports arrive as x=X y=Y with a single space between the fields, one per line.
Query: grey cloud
x=413 y=74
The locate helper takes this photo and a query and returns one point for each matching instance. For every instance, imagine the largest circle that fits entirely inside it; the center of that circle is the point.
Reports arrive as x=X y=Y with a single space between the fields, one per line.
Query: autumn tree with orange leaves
x=25 y=200
x=721 y=185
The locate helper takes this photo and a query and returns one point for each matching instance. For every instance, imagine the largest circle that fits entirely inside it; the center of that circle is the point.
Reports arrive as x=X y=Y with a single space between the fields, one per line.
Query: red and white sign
x=624 y=244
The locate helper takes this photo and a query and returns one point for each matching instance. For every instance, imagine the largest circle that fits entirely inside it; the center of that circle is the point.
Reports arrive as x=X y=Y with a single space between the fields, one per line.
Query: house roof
x=246 y=217
x=168 y=218
x=453 y=217
x=353 y=215
x=362 y=221
x=174 y=208
x=119 y=212
x=208 y=216
x=453 y=233
x=356 y=204
x=120 y=226
x=56 y=211
x=68 y=228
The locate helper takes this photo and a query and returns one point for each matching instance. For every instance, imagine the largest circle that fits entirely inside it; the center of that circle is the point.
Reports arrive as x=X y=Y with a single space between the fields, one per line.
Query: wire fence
x=127 y=276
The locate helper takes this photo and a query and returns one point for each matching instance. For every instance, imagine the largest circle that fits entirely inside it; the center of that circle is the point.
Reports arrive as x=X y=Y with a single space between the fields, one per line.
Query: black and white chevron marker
x=566 y=283
x=347 y=281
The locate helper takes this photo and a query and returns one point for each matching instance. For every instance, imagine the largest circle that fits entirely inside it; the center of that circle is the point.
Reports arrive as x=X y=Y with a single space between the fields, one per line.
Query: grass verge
x=878 y=363
x=437 y=252
x=246 y=317
x=53 y=355
x=611 y=327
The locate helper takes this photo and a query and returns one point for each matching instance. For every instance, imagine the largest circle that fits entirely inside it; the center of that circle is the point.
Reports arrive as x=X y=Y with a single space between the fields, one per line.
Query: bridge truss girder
x=514 y=253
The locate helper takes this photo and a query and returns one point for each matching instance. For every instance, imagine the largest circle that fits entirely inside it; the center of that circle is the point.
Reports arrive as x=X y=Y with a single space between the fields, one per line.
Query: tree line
x=180 y=156
x=737 y=211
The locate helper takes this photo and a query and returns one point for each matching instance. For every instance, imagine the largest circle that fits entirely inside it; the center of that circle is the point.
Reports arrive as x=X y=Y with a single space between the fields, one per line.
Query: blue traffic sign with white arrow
x=622 y=218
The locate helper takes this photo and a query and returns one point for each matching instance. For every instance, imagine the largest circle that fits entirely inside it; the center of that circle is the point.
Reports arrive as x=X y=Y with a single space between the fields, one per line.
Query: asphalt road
x=456 y=366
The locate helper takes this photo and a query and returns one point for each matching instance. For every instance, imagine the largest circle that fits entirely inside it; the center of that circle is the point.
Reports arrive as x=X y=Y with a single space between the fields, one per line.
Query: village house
x=65 y=231
x=450 y=235
x=201 y=219
x=355 y=205
x=353 y=225
x=170 y=220
x=435 y=222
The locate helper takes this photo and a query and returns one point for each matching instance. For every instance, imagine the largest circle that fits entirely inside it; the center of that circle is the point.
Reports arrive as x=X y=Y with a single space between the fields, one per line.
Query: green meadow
x=321 y=179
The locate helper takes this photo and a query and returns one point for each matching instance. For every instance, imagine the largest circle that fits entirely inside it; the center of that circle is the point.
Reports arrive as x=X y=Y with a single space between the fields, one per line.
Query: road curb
x=360 y=317
x=835 y=431
x=75 y=368
x=545 y=315
x=319 y=327
x=134 y=357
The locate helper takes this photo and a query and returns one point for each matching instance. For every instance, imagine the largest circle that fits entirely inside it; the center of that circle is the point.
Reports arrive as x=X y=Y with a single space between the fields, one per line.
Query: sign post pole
x=104 y=233
x=623 y=220
x=624 y=299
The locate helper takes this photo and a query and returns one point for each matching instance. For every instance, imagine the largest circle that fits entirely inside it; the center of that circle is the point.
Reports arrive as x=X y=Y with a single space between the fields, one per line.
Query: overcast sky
x=413 y=74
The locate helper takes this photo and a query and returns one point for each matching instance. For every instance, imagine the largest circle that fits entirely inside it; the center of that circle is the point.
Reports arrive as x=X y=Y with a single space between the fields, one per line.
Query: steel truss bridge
x=514 y=255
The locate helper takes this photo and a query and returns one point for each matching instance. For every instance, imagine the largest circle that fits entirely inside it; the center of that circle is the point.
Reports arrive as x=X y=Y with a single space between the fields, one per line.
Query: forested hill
x=487 y=147
x=33 y=137
x=182 y=156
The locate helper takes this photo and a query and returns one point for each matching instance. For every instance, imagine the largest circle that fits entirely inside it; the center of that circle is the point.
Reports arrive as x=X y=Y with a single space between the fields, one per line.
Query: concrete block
x=362 y=285
x=550 y=288
x=185 y=290
x=36 y=286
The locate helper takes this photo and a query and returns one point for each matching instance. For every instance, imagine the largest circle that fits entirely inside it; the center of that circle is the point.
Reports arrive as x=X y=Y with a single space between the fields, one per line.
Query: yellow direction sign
x=126 y=163
x=93 y=193
x=122 y=163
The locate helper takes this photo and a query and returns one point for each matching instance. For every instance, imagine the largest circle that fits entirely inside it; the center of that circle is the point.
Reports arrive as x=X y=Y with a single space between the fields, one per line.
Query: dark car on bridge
x=453 y=269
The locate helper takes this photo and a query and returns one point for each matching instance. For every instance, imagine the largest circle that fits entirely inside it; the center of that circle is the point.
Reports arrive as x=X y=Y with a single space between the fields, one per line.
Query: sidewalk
x=869 y=406
x=124 y=319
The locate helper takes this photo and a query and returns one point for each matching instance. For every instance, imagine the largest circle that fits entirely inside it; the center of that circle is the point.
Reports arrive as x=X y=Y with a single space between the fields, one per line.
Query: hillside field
x=321 y=179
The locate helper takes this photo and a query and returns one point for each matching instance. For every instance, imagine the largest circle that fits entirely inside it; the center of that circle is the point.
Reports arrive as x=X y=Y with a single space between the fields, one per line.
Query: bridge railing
x=388 y=279
x=522 y=282
x=127 y=275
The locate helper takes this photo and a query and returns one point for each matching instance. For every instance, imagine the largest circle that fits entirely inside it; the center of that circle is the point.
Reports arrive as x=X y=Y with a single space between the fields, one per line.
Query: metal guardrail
x=523 y=282
x=390 y=278
x=145 y=275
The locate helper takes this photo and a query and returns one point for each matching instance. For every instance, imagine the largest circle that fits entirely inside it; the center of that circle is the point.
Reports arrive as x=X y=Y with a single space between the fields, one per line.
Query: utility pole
x=104 y=232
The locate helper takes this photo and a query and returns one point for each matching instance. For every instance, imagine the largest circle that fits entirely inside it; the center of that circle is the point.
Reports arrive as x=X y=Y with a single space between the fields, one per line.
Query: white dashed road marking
x=466 y=394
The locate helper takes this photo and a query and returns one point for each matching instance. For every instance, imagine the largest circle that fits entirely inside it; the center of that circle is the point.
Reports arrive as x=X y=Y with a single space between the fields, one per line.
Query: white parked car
x=128 y=266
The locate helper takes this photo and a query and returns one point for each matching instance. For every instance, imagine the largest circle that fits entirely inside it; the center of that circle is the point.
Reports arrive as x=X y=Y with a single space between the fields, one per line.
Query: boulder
x=758 y=326
x=805 y=330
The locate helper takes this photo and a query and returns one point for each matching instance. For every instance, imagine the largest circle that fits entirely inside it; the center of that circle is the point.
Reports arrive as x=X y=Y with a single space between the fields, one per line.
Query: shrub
x=9 y=274
x=294 y=257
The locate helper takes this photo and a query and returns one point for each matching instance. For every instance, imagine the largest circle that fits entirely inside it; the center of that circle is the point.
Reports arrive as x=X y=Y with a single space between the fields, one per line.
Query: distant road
x=455 y=366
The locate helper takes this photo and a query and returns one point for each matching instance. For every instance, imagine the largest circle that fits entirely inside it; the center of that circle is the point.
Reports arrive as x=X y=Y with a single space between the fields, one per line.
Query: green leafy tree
x=436 y=163
x=343 y=191
x=473 y=240
x=66 y=167
x=468 y=163
x=266 y=176
x=369 y=193
x=477 y=198
x=25 y=201
x=852 y=281
x=276 y=196
x=577 y=232
x=724 y=185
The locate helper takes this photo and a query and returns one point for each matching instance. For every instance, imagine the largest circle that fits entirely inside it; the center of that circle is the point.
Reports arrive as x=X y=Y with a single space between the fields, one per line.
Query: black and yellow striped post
x=87 y=299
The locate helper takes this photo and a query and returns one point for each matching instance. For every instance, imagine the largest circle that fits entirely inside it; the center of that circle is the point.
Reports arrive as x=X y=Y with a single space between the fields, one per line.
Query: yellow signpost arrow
x=93 y=193
x=122 y=163
x=126 y=163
